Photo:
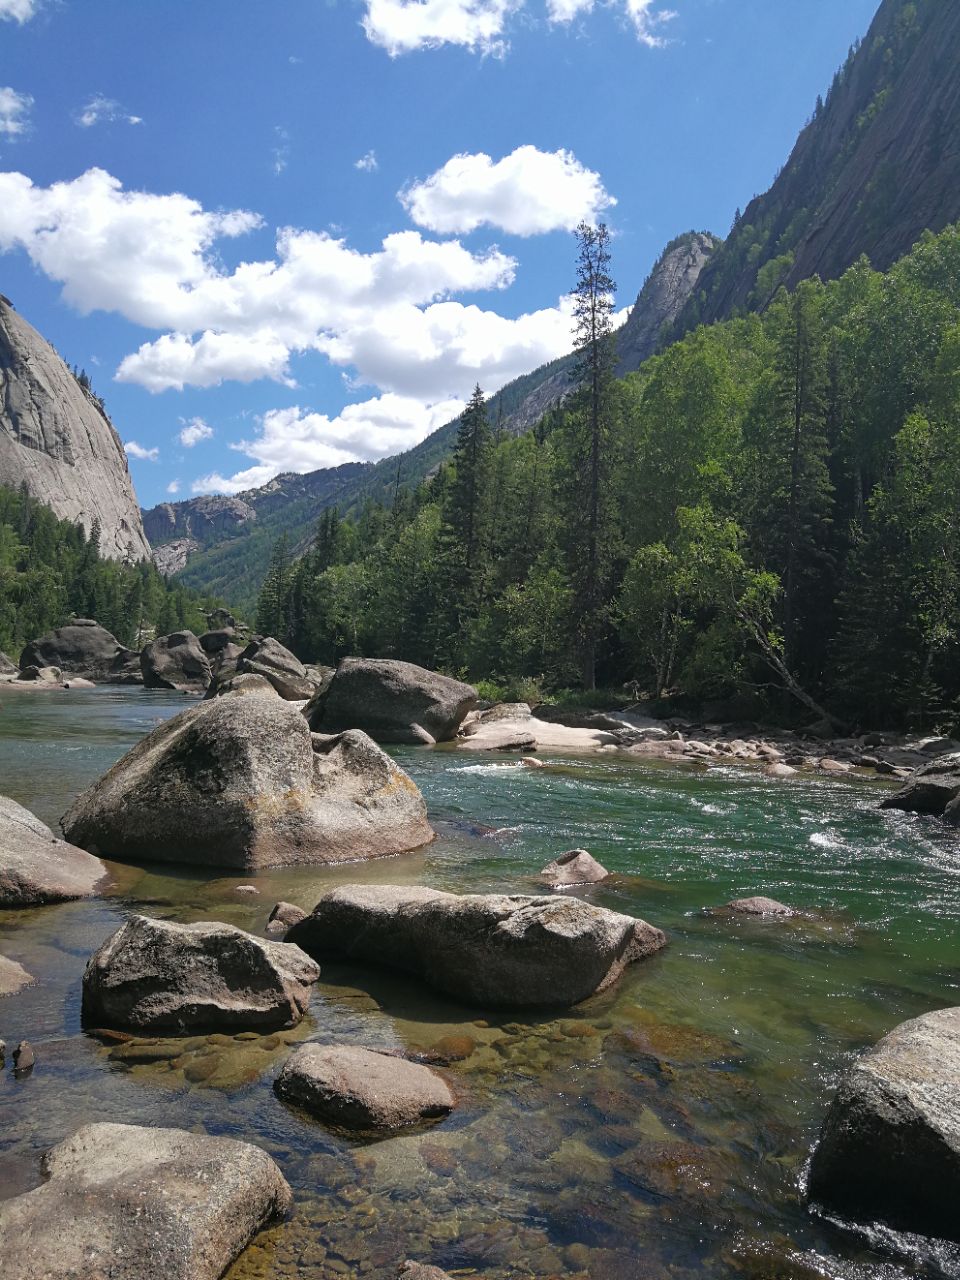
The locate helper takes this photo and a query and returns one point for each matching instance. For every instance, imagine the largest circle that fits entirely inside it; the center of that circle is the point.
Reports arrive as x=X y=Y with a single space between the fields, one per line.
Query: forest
x=774 y=510
x=50 y=569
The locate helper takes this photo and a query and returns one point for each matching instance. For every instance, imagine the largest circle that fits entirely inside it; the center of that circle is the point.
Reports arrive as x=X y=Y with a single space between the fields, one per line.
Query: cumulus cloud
x=17 y=10
x=102 y=110
x=299 y=440
x=193 y=432
x=135 y=450
x=173 y=487
x=526 y=193
x=14 y=110
x=367 y=163
x=400 y=26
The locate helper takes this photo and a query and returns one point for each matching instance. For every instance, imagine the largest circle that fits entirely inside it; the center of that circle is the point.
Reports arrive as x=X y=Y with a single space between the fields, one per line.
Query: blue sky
x=283 y=236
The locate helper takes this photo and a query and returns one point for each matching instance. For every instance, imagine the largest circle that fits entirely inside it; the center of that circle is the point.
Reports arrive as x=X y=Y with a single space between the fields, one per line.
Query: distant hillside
x=223 y=544
x=878 y=164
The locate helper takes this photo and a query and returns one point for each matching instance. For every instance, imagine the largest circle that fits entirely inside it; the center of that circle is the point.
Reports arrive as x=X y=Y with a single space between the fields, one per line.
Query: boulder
x=36 y=867
x=929 y=789
x=890 y=1144
x=755 y=906
x=158 y=976
x=126 y=1202
x=486 y=949
x=356 y=1088
x=421 y=1271
x=176 y=662
x=283 y=916
x=80 y=648
x=240 y=781
x=13 y=976
x=504 y=711
x=779 y=770
x=577 y=866
x=392 y=701
x=7 y=668
x=247 y=683
x=24 y=1060
x=41 y=675
x=265 y=656
x=214 y=642
x=498 y=735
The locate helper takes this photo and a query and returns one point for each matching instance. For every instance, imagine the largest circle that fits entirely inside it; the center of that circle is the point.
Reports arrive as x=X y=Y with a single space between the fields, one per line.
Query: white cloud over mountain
x=192 y=432
x=14 y=110
x=404 y=26
x=135 y=450
x=526 y=193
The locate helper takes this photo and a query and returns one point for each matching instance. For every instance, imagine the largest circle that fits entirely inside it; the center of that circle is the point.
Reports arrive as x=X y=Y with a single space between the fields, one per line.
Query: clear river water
x=658 y=1131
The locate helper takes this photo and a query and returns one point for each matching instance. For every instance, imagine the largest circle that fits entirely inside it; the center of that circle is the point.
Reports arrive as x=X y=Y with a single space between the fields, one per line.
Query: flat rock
x=154 y=975
x=485 y=949
x=499 y=735
x=36 y=867
x=240 y=781
x=123 y=1202
x=176 y=662
x=13 y=977
x=355 y=1088
x=577 y=866
x=929 y=789
x=756 y=906
x=890 y=1144
x=392 y=701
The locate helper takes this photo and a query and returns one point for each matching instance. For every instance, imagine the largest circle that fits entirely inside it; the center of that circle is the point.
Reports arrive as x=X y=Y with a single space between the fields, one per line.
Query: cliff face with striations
x=878 y=164
x=55 y=438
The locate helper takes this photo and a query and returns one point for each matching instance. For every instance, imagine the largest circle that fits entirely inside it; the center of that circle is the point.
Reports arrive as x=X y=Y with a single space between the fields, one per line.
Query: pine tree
x=466 y=509
x=273 y=605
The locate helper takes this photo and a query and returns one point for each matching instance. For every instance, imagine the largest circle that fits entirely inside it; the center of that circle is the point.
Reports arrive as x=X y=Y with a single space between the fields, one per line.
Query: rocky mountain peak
x=56 y=438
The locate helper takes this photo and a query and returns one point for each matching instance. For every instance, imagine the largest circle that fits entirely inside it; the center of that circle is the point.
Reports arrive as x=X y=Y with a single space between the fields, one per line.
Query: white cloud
x=298 y=440
x=526 y=193
x=281 y=149
x=17 y=10
x=173 y=487
x=135 y=450
x=400 y=26
x=193 y=432
x=102 y=110
x=367 y=163
x=14 y=109
x=646 y=20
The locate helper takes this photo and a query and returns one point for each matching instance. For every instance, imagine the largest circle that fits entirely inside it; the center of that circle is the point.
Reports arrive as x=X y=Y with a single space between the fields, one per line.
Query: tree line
x=764 y=518
x=51 y=569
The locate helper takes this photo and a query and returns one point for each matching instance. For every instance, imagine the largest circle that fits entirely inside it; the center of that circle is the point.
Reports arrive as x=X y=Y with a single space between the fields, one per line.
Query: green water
x=657 y=1131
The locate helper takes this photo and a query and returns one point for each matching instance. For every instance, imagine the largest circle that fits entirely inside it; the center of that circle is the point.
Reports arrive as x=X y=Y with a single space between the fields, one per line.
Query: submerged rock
x=929 y=789
x=126 y=1202
x=755 y=906
x=154 y=975
x=13 y=977
x=392 y=701
x=241 y=782
x=487 y=949
x=421 y=1271
x=890 y=1144
x=356 y=1088
x=36 y=867
x=175 y=662
x=577 y=866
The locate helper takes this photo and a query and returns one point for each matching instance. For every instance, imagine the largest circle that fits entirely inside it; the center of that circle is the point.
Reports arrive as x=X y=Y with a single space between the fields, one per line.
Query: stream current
x=660 y=1130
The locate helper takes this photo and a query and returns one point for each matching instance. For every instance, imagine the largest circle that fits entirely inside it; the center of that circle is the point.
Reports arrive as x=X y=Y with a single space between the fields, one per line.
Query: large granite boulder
x=176 y=662
x=155 y=975
x=123 y=1202
x=486 y=949
x=7 y=668
x=267 y=657
x=890 y=1145
x=81 y=648
x=355 y=1088
x=36 y=867
x=392 y=701
x=241 y=782
x=929 y=789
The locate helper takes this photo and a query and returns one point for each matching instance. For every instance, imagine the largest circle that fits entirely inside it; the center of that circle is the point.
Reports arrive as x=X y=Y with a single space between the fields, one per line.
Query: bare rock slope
x=55 y=437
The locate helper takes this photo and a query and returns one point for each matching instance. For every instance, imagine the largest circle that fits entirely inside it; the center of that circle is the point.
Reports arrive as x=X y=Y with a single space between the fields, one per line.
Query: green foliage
x=50 y=570
x=777 y=522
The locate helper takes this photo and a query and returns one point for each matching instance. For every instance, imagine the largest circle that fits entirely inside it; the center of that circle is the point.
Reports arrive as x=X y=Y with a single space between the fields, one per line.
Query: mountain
x=56 y=438
x=223 y=544
x=877 y=165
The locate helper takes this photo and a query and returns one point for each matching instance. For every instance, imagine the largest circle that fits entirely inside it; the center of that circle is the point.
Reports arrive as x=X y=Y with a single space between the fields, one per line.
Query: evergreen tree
x=273 y=606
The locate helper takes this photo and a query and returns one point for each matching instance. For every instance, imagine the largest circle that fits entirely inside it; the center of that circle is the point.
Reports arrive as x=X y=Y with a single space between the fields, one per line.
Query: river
x=659 y=1130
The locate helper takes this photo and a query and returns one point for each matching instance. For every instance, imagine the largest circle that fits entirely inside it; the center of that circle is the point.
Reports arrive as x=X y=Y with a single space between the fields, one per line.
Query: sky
x=287 y=234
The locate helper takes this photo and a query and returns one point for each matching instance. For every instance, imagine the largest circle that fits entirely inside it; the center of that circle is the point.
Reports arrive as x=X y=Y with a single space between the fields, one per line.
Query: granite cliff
x=56 y=438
